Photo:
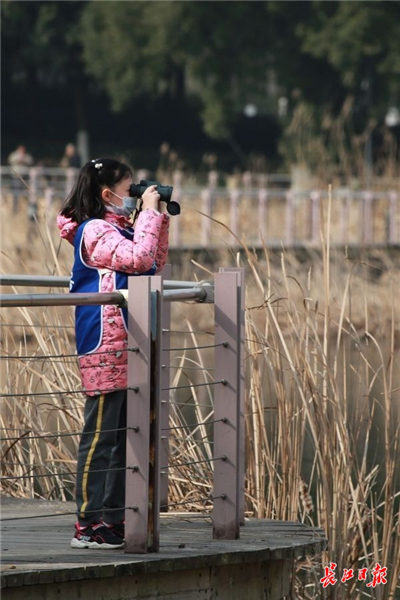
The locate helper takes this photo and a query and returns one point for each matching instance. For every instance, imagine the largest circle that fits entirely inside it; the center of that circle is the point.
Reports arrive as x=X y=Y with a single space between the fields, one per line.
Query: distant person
x=19 y=161
x=95 y=219
x=71 y=158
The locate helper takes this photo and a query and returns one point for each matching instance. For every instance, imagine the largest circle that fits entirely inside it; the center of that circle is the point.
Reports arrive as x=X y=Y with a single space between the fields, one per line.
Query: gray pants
x=100 y=483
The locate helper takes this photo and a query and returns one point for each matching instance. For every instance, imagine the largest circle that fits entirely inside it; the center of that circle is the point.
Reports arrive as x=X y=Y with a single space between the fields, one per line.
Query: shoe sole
x=95 y=545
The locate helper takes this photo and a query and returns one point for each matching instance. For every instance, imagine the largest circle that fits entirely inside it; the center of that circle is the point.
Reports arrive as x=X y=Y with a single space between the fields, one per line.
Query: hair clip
x=98 y=166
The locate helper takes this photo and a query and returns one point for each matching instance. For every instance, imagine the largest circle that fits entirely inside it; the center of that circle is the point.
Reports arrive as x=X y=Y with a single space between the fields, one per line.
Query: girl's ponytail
x=85 y=200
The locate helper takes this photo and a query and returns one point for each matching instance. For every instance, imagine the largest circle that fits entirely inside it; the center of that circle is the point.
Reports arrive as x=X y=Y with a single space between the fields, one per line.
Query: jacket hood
x=68 y=227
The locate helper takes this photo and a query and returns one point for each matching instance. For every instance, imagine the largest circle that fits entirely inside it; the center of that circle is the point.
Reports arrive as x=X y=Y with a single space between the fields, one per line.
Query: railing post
x=241 y=331
x=315 y=217
x=70 y=177
x=344 y=218
x=392 y=217
x=175 y=224
x=262 y=212
x=49 y=197
x=143 y=422
x=206 y=223
x=226 y=489
x=367 y=213
x=156 y=284
x=164 y=396
x=234 y=211
x=289 y=233
x=33 y=185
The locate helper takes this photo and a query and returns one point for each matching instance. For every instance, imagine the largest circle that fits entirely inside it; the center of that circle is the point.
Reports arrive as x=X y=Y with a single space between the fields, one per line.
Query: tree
x=340 y=65
x=41 y=49
x=213 y=56
x=220 y=52
x=214 y=52
x=360 y=40
x=353 y=49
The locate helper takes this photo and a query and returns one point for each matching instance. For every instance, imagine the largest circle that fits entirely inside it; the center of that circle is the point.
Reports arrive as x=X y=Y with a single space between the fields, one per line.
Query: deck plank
x=38 y=550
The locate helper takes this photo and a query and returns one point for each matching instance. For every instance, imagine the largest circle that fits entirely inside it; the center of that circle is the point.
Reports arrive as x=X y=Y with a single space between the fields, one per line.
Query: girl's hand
x=151 y=198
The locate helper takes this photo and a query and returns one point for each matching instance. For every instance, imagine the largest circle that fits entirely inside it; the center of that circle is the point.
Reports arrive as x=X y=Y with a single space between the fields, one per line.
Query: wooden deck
x=38 y=563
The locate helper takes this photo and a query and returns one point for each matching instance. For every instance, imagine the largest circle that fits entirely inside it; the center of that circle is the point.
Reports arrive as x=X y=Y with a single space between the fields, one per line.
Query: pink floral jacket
x=103 y=247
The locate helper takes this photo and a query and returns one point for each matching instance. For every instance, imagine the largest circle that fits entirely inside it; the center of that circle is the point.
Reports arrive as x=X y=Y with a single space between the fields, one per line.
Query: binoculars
x=137 y=189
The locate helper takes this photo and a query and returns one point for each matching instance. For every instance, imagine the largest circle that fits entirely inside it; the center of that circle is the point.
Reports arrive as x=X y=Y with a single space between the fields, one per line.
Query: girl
x=95 y=220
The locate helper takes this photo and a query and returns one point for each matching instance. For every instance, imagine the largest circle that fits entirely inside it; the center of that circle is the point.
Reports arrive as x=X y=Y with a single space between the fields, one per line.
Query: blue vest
x=89 y=319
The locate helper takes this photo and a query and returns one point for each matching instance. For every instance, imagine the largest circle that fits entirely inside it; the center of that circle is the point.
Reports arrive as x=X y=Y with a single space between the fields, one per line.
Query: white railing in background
x=262 y=209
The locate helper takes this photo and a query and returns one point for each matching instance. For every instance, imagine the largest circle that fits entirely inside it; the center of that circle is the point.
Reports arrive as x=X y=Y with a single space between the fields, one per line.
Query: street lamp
x=250 y=110
x=392 y=118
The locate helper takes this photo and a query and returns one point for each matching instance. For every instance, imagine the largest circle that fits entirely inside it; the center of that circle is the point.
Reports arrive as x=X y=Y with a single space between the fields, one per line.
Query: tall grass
x=322 y=407
x=329 y=147
x=321 y=394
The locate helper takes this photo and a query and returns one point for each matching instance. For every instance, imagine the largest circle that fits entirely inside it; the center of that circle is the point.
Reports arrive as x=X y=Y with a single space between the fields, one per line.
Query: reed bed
x=322 y=406
x=322 y=419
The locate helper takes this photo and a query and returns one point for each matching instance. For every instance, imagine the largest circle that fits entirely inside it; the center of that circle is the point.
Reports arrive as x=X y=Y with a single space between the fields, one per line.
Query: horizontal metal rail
x=35 y=280
x=56 y=281
x=8 y=300
x=194 y=293
x=179 y=285
x=15 y=300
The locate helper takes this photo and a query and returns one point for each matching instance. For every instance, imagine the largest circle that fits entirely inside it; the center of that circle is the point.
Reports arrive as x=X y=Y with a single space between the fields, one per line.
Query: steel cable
x=13 y=478
x=192 y=385
x=187 y=404
x=187 y=368
x=223 y=420
x=225 y=344
x=194 y=462
x=187 y=332
x=75 y=355
x=223 y=496
x=188 y=438
x=63 y=514
x=85 y=392
x=63 y=434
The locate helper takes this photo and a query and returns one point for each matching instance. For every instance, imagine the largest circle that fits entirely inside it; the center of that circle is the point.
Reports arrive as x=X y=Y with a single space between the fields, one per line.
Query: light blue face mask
x=128 y=205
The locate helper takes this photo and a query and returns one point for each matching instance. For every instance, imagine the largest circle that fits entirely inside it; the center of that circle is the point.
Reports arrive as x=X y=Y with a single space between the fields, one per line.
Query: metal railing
x=148 y=427
x=201 y=291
